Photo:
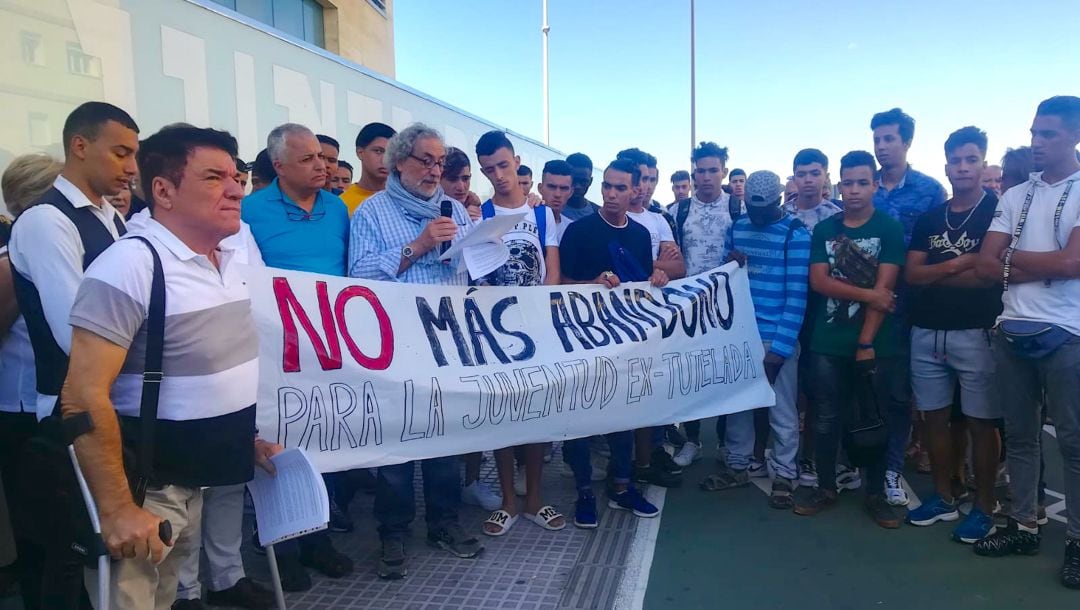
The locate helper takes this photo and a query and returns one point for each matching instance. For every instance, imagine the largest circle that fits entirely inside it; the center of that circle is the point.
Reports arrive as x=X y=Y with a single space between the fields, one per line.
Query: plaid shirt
x=380 y=229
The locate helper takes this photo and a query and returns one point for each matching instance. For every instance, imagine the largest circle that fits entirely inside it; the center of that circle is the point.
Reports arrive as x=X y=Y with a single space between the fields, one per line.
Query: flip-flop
x=503 y=519
x=545 y=516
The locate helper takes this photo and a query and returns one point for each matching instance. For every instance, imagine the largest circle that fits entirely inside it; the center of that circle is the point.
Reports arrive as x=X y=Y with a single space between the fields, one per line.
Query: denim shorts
x=942 y=358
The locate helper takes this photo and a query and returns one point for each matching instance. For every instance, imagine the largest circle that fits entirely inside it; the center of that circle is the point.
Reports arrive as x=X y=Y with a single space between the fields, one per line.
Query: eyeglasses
x=429 y=163
x=304 y=216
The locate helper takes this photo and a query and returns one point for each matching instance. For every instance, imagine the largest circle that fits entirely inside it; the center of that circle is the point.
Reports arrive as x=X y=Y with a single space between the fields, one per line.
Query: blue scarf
x=423 y=209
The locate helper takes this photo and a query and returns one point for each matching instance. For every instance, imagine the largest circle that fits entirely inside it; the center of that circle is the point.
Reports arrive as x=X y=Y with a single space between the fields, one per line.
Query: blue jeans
x=576 y=455
x=783 y=421
x=835 y=379
x=395 y=499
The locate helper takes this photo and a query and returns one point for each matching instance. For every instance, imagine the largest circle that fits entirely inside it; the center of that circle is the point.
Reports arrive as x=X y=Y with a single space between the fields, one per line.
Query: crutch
x=275 y=577
x=104 y=560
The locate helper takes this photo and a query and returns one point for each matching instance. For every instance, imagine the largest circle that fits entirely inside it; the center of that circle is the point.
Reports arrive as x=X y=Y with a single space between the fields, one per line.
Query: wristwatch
x=408 y=253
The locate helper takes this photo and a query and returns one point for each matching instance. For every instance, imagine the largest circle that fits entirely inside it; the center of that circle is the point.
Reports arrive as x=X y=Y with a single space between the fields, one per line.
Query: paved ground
x=706 y=551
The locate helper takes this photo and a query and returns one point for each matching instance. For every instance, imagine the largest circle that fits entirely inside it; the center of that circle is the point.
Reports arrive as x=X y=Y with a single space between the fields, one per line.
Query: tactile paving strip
x=527 y=569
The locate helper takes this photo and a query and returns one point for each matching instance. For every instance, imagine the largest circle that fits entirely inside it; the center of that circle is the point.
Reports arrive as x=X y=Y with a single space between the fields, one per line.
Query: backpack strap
x=540 y=212
x=487 y=210
x=152 y=376
x=682 y=210
x=795 y=225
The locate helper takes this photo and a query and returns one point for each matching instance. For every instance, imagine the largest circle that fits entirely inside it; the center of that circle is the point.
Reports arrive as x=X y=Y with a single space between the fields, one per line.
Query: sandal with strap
x=501 y=519
x=726 y=479
x=781 y=497
x=545 y=516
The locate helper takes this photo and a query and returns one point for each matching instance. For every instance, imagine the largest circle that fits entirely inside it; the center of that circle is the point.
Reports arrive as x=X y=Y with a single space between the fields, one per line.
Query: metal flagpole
x=693 y=83
x=547 y=110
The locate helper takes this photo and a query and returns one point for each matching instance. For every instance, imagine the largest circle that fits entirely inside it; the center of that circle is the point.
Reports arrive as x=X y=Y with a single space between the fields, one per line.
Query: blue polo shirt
x=291 y=238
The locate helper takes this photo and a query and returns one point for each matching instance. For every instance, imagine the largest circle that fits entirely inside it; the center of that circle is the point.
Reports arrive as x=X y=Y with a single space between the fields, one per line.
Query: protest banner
x=362 y=373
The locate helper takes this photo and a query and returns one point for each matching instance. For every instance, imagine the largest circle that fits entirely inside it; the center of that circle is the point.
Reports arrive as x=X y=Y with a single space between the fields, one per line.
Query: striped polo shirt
x=206 y=413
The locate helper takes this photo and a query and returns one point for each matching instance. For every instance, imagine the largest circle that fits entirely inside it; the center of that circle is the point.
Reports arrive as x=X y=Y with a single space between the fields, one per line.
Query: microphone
x=447 y=210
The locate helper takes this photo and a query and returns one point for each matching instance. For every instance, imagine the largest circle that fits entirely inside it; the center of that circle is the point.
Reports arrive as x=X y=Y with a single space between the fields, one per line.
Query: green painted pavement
x=730 y=550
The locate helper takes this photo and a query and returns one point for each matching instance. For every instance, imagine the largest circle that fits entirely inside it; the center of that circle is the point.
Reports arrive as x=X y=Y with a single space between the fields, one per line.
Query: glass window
x=81 y=63
x=33 y=52
x=300 y=18
x=313 y=22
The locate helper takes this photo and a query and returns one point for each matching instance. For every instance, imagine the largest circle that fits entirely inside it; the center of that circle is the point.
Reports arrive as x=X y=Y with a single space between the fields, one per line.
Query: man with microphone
x=397 y=236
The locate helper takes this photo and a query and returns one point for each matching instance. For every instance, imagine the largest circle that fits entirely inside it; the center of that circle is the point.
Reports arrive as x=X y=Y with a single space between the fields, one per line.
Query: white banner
x=361 y=373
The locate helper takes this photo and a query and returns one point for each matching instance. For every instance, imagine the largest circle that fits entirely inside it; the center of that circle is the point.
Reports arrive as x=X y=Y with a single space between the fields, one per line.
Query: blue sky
x=772 y=76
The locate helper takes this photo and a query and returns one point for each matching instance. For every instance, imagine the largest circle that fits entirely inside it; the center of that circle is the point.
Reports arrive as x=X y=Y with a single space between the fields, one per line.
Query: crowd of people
x=898 y=321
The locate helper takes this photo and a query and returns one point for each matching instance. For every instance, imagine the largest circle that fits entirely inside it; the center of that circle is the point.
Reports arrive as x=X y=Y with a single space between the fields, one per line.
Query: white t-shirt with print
x=526 y=265
x=659 y=229
x=1059 y=302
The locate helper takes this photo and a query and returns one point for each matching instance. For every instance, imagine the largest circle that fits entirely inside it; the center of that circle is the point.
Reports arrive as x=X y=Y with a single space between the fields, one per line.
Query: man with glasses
x=396 y=236
x=299 y=225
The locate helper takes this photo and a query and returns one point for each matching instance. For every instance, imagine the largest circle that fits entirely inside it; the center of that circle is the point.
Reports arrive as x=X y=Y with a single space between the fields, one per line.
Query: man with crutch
x=204 y=431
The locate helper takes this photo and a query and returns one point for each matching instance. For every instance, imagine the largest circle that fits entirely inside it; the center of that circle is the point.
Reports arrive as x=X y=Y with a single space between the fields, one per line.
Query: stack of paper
x=482 y=249
x=291 y=503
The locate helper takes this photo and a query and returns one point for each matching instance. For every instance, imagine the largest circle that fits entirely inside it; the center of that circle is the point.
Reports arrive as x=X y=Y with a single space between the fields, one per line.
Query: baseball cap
x=763 y=189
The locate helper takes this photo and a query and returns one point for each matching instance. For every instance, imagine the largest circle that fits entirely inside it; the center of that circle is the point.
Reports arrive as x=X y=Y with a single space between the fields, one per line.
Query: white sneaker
x=894 y=489
x=758 y=470
x=847 y=478
x=478 y=493
x=519 y=482
x=688 y=454
x=807 y=473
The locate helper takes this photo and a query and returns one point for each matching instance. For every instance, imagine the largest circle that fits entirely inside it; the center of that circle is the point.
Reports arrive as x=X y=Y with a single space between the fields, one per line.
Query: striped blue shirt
x=381 y=228
x=778 y=263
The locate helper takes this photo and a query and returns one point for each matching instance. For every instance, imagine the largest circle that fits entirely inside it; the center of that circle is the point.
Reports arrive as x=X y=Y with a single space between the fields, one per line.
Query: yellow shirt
x=354 y=196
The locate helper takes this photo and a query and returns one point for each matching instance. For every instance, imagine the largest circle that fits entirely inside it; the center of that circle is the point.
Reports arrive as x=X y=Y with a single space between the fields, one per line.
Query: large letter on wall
x=293 y=91
x=247 y=120
x=183 y=56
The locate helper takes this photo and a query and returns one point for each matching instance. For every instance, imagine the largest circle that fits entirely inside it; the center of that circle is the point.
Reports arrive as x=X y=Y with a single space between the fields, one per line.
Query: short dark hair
x=88 y=119
x=966 y=135
x=709 y=149
x=629 y=167
x=1017 y=164
x=737 y=172
x=493 y=141
x=345 y=164
x=456 y=160
x=524 y=170
x=808 y=156
x=557 y=167
x=1065 y=106
x=241 y=165
x=262 y=167
x=680 y=175
x=638 y=156
x=165 y=154
x=328 y=140
x=904 y=123
x=580 y=160
x=857 y=158
x=372 y=132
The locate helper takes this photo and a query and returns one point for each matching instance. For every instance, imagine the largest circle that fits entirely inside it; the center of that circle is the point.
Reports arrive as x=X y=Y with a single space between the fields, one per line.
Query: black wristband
x=865 y=346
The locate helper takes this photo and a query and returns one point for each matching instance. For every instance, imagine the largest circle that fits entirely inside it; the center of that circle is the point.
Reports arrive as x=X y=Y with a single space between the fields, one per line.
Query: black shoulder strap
x=152 y=375
x=682 y=210
x=734 y=208
x=795 y=225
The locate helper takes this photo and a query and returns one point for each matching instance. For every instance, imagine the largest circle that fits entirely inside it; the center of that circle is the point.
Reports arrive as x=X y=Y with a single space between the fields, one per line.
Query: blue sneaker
x=632 y=500
x=933 y=510
x=585 y=511
x=976 y=526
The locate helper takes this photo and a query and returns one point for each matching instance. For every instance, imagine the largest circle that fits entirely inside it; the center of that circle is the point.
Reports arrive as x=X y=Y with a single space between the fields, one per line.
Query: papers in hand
x=292 y=503
x=482 y=248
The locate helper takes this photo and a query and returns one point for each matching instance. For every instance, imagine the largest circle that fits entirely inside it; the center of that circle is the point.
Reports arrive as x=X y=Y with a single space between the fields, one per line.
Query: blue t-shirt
x=291 y=238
